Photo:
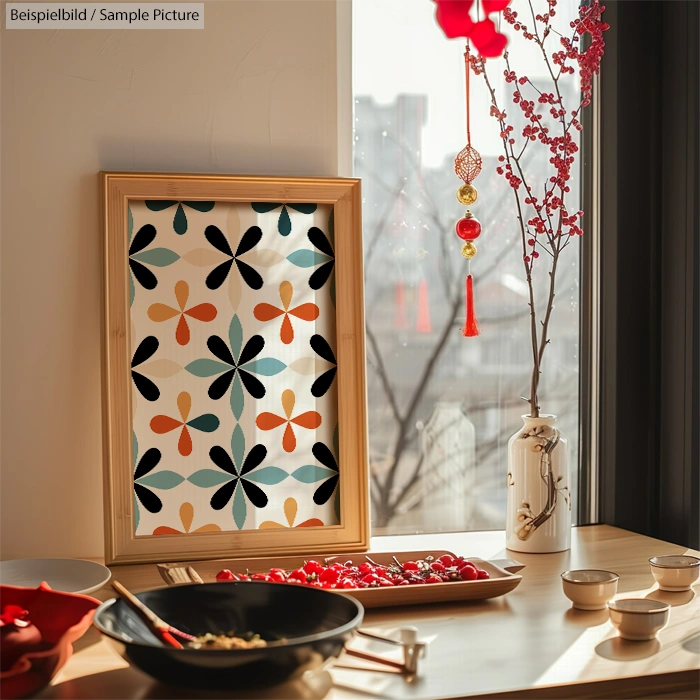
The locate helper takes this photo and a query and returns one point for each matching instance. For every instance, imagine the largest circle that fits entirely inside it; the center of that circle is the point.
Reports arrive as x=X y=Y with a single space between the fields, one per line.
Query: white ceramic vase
x=538 y=511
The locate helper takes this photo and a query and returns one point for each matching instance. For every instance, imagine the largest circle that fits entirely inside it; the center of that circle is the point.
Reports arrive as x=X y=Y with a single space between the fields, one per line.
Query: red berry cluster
x=369 y=574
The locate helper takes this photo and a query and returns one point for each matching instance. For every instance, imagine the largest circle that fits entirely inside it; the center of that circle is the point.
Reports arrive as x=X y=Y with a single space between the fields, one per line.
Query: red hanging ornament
x=468 y=228
x=423 y=318
x=400 y=320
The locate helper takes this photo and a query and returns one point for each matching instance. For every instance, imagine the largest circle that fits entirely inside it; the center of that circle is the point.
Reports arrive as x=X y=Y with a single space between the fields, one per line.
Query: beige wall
x=254 y=92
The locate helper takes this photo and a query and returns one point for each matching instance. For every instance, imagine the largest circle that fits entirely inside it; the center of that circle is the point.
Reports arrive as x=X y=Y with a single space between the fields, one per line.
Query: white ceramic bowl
x=67 y=575
x=589 y=589
x=638 y=619
x=675 y=573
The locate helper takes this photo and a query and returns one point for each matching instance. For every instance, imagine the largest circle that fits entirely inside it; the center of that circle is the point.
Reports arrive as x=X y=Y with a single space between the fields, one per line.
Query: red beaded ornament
x=468 y=167
x=468 y=228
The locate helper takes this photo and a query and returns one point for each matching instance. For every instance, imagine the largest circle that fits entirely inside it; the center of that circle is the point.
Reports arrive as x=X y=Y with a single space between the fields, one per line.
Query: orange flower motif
x=186 y=518
x=206 y=423
x=269 y=421
x=306 y=312
x=163 y=312
x=290 y=512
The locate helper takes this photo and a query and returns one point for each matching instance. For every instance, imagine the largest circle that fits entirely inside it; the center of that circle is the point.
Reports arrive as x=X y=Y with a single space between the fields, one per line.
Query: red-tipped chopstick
x=159 y=627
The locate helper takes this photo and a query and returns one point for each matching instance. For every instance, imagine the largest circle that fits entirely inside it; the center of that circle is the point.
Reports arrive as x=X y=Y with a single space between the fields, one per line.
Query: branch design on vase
x=528 y=521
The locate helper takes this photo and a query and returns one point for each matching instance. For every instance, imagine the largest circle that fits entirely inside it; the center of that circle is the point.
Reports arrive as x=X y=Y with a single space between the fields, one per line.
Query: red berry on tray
x=483 y=574
x=370 y=578
x=411 y=566
x=277 y=576
x=447 y=560
x=385 y=582
x=437 y=566
x=299 y=575
x=225 y=575
x=469 y=573
x=312 y=567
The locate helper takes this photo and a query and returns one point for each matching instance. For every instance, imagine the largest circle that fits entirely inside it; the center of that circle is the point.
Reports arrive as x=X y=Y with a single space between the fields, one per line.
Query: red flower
x=454 y=19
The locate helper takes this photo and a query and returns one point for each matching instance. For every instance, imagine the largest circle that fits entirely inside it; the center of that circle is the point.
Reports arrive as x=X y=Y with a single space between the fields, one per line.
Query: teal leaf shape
x=162 y=480
x=207 y=423
x=238 y=446
x=132 y=289
x=130 y=224
x=237 y=398
x=137 y=514
x=266 y=366
x=206 y=478
x=206 y=367
x=235 y=336
x=264 y=207
x=284 y=223
x=267 y=475
x=304 y=208
x=202 y=207
x=239 y=507
x=134 y=449
x=310 y=474
x=180 y=221
x=159 y=257
x=307 y=258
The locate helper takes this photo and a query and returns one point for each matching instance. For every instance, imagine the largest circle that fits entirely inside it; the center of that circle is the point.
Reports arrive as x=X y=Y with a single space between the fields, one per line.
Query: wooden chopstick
x=159 y=627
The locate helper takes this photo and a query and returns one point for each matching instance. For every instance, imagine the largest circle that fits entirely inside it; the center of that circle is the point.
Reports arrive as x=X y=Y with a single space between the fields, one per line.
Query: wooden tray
x=502 y=581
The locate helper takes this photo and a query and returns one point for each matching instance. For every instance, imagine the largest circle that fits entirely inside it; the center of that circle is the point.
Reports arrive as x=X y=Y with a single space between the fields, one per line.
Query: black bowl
x=316 y=625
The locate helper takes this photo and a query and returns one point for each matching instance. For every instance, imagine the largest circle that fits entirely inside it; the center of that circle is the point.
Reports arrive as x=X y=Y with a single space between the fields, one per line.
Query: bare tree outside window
x=442 y=406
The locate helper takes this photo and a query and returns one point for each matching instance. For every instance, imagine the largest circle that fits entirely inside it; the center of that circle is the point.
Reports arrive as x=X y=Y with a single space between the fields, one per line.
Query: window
x=441 y=406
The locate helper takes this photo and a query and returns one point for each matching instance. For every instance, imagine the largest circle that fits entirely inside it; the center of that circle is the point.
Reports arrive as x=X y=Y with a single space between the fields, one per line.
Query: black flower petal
x=255 y=493
x=323 y=383
x=218 y=275
x=215 y=236
x=147 y=463
x=254 y=459
x=144 y=276
x=221 y=384
x=222 y=459
x=250 y=276
x=321 y=347
x=252 y=384
x=148 y=389
x=143 y=238
x=223 y=495
x=146 y=349
x=148 y=499
x=249 y=240
x=324 y=455
x=220 y=350
x=325 y=491
x=320 y=276
x=252 y=349
x=319 y=240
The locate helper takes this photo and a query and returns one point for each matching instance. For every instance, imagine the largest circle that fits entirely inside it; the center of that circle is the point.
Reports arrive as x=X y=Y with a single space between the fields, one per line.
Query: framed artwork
x=234 y=367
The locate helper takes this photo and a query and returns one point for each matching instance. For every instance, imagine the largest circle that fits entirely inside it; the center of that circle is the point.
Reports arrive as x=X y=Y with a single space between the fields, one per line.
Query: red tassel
x=471 y=327
x=423 y=320
x=400 y=306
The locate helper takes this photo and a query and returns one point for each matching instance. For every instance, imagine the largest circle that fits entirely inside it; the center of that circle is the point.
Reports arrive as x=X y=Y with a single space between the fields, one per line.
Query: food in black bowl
x=304 y=628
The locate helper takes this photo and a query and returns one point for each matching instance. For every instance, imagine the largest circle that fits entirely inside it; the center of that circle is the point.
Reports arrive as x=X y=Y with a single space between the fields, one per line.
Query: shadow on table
x=618 y=649
x=692 y=644
x=672 y=598
x=587 y=618
x=129 y=683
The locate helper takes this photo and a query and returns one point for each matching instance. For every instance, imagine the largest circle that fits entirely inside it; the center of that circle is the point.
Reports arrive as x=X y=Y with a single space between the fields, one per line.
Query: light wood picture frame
x=234 y=367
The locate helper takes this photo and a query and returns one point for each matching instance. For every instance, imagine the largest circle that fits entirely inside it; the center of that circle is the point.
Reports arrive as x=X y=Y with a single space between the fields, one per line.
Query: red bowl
x=62 y=618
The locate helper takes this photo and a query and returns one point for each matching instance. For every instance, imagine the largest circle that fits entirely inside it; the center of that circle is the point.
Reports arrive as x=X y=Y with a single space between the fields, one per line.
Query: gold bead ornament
x=468 y=250
x=467 y=194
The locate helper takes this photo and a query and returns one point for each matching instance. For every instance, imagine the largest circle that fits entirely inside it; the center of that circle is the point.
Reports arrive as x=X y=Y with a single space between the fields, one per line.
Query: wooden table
x=529 y=643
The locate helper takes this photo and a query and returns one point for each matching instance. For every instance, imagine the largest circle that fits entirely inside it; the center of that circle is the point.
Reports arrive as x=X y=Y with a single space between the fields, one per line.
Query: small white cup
x=638 y=619
x=589 y=589
x=675 y=573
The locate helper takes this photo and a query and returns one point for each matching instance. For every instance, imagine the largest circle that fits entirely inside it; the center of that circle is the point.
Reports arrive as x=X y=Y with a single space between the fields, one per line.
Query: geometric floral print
x=232 y=323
